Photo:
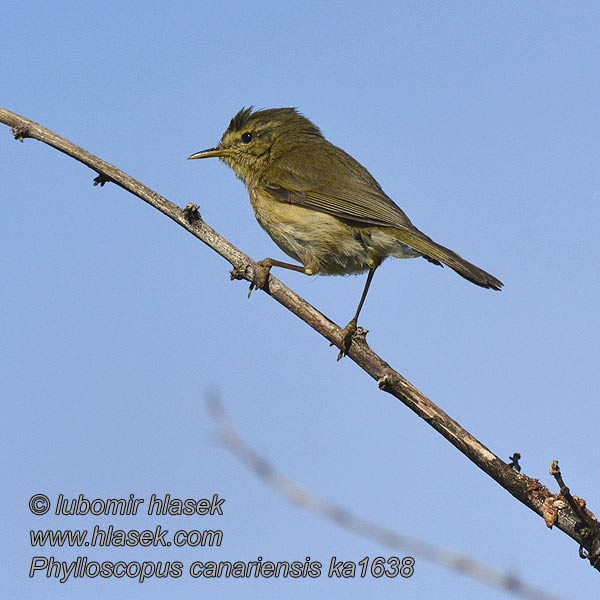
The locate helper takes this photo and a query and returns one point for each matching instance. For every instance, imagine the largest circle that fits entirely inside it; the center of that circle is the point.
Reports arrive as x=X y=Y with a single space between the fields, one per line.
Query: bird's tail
x=436 y=253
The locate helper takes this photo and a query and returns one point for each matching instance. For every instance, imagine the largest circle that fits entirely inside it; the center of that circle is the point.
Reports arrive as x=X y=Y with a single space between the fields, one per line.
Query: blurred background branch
x=306 y=500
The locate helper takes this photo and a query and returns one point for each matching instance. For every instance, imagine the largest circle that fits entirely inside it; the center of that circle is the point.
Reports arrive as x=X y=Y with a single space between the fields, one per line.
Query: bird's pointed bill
x=210 y=153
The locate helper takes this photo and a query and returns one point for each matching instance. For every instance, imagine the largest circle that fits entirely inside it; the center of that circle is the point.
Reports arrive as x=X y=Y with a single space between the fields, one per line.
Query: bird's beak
x=210 y=153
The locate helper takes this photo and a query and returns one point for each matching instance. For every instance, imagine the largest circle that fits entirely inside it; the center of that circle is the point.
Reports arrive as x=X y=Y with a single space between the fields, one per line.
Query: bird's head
x=254 y=139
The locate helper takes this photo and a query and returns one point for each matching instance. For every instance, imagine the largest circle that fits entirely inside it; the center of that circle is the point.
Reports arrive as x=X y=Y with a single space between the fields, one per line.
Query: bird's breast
x=321 y=242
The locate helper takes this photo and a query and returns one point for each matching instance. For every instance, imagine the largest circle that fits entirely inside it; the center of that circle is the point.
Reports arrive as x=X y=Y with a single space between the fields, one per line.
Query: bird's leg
x=350 y=329
x=261 y=274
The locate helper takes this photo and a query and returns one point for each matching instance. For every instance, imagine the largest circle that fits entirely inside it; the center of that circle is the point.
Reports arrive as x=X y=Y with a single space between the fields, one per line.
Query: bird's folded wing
x=360 y=204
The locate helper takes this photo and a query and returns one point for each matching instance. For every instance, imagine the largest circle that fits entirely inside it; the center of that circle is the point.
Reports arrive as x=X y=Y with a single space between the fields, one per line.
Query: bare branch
x=526 y=489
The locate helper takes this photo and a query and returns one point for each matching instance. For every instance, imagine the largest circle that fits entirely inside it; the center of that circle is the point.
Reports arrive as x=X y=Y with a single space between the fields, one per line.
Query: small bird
x=321 y=206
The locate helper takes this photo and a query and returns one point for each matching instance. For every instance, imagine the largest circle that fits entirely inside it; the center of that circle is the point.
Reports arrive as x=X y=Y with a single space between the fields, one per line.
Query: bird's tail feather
x=437 y=253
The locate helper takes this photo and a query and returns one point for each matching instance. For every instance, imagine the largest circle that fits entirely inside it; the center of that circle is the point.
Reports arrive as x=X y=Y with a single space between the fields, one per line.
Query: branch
x=527 y=490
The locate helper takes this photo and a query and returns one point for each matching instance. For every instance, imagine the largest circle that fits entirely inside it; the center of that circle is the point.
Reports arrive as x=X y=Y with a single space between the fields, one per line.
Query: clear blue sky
x=480 y=120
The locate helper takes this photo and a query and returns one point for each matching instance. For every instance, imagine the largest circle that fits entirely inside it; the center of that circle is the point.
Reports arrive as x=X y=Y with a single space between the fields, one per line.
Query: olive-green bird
x=320 y=205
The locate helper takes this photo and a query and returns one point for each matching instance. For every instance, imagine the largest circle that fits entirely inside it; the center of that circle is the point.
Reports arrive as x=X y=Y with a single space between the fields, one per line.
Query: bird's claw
x=260 y=279
x=346 y=339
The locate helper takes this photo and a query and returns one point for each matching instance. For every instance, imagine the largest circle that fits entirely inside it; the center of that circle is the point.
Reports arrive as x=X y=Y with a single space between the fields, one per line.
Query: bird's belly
x=323 y=243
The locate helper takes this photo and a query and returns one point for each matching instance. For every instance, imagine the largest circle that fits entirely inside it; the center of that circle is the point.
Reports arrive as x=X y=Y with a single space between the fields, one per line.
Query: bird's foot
x=260 y=279
x=346 y=338
x=349 y=334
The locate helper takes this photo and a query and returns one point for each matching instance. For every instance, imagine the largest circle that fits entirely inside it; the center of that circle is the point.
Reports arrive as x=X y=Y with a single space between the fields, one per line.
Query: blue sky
x=481 y=121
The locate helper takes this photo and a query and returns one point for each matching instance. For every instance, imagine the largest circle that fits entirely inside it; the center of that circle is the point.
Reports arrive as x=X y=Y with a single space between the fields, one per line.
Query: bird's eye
x=247 y=137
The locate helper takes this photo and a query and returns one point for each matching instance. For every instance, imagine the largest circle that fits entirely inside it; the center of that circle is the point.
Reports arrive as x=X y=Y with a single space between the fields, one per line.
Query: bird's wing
x=351 y=193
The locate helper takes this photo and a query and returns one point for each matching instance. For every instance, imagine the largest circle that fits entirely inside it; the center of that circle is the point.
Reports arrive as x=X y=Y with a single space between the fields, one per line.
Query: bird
x=321 y=206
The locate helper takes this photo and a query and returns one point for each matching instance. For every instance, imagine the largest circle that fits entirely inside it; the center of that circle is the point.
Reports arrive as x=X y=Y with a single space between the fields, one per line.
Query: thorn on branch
x=101 y=180
x=239 y=272
x=192 y=213
x=20 y=132
x=514 y=462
